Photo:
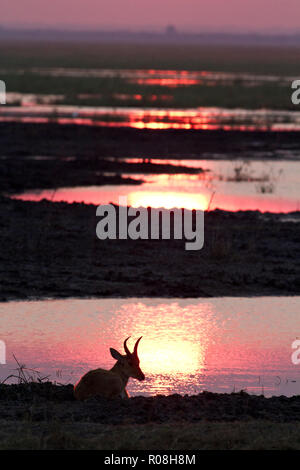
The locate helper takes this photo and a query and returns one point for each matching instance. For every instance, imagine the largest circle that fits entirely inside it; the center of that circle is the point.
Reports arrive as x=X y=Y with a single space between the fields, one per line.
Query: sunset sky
x=213 y=15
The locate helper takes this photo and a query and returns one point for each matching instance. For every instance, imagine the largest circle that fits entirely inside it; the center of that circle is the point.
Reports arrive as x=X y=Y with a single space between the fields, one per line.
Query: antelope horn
x=136 y=346
x=126 y=348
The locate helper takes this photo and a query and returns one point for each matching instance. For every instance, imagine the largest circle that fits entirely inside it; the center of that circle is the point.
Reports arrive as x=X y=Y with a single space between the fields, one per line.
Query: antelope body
x=111 y=383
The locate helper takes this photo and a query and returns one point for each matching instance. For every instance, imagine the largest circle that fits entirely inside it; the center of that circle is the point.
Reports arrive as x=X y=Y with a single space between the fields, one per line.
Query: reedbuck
x=111 y=383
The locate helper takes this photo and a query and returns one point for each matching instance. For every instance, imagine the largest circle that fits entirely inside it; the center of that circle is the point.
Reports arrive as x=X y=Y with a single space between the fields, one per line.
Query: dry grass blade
x=210 y=201
x=26 y=375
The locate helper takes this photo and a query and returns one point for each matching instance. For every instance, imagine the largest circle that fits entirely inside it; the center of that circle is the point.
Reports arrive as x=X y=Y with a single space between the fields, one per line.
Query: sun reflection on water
x=171 y=356
x=209 y=189
x=168 y=200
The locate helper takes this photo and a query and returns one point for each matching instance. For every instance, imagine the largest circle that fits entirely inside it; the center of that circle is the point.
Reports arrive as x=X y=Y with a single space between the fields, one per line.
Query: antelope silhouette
x=111 y=383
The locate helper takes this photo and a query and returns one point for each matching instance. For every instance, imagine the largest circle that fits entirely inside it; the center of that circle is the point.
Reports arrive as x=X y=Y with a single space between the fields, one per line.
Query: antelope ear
x=115 y=354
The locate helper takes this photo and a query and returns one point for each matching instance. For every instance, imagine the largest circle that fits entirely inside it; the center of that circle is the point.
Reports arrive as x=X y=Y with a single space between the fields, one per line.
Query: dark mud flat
x=25 y=139
x=46 y=416
x=51 y=250
x=57 y=401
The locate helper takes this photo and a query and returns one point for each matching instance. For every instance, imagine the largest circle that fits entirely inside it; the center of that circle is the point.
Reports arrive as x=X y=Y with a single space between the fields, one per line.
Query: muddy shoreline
x=25 y=139
x=51 y=250
x=46 y=417
x=47 y=401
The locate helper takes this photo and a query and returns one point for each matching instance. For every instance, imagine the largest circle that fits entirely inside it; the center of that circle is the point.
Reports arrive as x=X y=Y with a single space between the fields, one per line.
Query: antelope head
x=129 y=363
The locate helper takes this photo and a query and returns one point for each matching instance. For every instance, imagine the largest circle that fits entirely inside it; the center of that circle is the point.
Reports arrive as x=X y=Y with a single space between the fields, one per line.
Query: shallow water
x=204 y=118
x=271 y=186
x=148 y=87
x=188 y=345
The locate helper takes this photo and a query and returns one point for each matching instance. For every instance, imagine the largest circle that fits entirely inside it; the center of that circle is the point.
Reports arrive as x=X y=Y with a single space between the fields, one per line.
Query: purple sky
x=228 y=15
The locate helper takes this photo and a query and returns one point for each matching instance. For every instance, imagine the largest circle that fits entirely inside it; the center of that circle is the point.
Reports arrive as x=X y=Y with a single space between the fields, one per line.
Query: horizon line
x=155 y=30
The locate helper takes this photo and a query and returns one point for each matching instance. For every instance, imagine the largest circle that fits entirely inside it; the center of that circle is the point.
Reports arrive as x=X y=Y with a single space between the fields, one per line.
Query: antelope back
x=98 y=382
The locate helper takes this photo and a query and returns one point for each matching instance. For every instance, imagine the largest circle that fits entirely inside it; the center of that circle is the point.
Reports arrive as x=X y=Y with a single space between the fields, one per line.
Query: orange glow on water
x=140 y=97
x=163 y=199
x=168 y=82
x=156 y=118
x=168 y=200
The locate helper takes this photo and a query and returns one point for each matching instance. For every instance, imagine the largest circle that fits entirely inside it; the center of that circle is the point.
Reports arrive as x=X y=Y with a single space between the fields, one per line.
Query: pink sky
x=237 y=15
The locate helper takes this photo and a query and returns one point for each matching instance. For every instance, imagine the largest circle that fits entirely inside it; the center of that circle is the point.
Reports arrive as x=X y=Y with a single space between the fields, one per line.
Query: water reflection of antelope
x=111 y=383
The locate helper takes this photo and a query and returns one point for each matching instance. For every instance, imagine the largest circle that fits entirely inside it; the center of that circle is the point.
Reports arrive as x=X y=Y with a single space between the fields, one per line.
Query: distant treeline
x=169 y=36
